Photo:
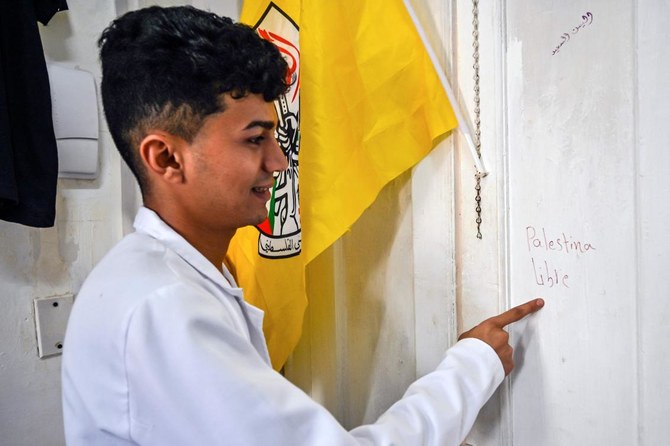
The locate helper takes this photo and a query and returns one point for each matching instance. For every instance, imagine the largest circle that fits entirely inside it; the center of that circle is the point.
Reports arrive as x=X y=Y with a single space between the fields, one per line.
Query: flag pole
x=463 y=125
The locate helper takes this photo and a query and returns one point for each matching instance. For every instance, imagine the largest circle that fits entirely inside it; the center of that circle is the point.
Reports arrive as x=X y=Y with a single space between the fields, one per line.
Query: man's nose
x=277 y=161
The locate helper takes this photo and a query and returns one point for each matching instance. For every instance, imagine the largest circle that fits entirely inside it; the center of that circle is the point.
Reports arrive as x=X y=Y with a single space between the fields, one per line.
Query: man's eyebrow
x=268 y=125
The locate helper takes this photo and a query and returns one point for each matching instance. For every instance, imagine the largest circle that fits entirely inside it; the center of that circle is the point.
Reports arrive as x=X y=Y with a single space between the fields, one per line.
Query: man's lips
x=263 y=191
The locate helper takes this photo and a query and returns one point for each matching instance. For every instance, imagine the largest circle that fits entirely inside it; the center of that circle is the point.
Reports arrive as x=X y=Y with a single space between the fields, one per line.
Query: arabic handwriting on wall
x=587 y=19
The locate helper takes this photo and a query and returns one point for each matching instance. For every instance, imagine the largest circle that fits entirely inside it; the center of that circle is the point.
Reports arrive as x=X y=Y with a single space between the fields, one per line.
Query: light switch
x=51 y=315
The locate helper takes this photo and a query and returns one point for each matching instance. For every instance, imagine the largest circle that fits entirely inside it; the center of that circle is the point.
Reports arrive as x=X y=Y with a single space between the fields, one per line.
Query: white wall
x=576 y=143
x=46 y=262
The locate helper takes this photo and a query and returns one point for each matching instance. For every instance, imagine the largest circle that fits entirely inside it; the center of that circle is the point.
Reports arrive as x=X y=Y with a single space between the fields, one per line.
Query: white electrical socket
x=51 y=315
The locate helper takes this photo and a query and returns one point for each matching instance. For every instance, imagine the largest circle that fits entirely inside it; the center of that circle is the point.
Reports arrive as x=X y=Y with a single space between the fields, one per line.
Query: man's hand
x=491 y=331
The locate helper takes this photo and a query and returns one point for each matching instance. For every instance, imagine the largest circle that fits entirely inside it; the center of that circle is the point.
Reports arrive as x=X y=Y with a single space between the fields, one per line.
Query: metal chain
x=478 y=131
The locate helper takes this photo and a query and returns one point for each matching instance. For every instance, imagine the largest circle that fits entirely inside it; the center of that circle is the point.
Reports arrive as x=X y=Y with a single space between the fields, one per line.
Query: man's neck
x=212 y=244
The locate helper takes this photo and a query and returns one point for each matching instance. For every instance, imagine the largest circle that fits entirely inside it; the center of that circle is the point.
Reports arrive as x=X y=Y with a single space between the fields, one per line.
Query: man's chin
x=259 y=221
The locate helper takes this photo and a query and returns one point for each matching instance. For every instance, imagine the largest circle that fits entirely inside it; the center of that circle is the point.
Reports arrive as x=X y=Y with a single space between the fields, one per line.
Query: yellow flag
x=370 y=107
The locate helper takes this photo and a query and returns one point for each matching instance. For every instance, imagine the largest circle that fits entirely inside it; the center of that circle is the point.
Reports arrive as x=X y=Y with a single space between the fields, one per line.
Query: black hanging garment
x=28 y=155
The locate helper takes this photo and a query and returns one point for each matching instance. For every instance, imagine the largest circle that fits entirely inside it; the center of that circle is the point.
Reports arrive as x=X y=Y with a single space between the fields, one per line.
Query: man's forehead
x=255 y=111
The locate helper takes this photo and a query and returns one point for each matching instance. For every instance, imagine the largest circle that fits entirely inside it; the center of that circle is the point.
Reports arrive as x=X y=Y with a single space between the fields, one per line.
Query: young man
x=161 y=348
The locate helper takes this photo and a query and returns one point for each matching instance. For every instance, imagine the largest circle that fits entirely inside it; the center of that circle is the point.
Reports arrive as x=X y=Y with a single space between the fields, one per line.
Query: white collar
x=150 y=223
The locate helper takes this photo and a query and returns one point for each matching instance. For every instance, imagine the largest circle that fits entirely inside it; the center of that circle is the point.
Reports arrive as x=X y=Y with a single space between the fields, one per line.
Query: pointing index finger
x=517 y=313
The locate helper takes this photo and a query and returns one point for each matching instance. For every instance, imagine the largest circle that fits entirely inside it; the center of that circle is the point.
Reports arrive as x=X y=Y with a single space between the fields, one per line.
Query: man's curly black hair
x=166 y=68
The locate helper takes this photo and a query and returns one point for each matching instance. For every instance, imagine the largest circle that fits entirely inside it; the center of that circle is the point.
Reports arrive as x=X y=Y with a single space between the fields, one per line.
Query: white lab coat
x=161 y=349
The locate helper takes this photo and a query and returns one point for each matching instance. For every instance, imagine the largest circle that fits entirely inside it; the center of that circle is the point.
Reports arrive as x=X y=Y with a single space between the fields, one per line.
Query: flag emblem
x=280 y=234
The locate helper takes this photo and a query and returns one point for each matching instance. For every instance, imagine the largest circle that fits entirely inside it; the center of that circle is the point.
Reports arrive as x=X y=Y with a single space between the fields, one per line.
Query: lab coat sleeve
x=441 y=407
x=194 y=378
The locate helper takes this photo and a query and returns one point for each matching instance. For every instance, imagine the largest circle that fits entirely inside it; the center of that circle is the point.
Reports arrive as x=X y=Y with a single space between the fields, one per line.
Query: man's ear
x=162 y=157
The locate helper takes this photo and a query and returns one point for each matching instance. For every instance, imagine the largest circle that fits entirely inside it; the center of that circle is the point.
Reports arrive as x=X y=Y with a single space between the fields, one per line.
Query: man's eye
x=256 y=139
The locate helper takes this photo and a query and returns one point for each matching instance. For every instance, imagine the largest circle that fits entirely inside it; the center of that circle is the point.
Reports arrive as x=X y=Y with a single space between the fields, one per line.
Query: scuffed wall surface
x=46 y=262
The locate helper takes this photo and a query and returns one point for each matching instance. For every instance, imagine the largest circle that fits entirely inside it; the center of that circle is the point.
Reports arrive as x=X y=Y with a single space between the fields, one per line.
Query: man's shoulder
x=135 y=247
x=133 y=269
